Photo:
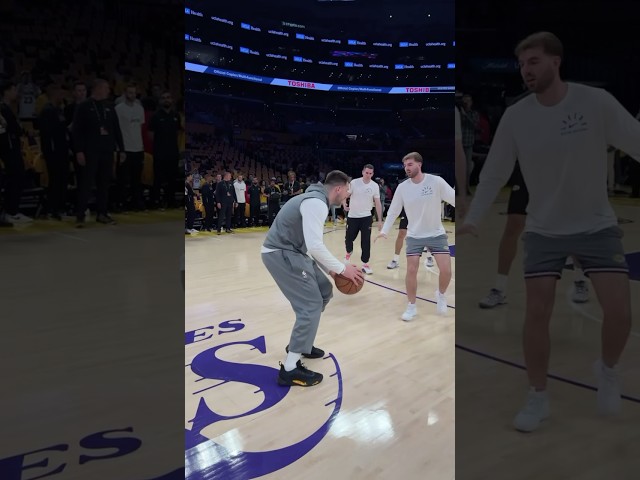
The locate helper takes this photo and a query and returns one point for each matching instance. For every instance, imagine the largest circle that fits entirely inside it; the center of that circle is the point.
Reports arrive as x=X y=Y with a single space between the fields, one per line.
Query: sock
x=606 y=369
x=412 y=306
x=396 y=258
x=579 y=275
x=292 y=359
x=501 y=283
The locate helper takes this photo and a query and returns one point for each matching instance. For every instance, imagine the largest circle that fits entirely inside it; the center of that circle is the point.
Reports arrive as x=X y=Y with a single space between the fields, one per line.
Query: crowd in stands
x=99 y=58
x=272 y=150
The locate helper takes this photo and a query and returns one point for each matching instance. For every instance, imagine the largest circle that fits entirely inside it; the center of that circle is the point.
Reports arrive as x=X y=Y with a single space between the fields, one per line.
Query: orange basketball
x=346 y=286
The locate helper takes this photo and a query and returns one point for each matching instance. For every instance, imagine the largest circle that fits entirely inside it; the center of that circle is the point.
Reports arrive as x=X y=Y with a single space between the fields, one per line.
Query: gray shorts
x=597 y=252
x=437 y=245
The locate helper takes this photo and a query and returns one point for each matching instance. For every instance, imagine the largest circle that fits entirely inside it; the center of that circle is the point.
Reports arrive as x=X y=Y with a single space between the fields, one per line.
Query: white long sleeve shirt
x=314 y=213
x=422 y=202
x=562 y=151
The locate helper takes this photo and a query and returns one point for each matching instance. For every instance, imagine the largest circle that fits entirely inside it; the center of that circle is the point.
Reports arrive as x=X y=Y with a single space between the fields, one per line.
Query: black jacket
x=96 y=128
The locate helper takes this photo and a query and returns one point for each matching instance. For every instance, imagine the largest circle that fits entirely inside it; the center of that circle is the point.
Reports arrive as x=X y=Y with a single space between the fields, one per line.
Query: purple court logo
x=214 y=445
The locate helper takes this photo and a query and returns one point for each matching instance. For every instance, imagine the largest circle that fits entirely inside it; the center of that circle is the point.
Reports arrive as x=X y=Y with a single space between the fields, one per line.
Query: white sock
x=579 y=275
x=412 y=306
x=291 y=361
x=396 y=258
x=501 y=283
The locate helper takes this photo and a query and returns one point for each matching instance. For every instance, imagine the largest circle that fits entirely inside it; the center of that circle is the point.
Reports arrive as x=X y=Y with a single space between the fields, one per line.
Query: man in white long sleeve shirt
x=294 y=253
x=421 y=196
x=560 y=136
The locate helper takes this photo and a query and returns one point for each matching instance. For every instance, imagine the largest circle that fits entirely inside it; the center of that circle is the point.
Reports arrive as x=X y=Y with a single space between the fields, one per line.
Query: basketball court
x=385 y=408
x=574 y=442
x=84 y=311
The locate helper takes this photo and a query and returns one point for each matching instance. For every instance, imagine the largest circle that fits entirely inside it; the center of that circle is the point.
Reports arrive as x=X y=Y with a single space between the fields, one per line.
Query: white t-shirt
x=240 y=188
x=362 y=195
x=562 y=151
x=27 y=104
x=422 y=202
x=314 y=212
x=131 y=118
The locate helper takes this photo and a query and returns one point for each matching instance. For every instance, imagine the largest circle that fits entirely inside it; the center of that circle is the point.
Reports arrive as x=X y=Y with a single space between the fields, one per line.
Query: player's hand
x=345 y=209
x=354 y=274
x=123 y=157
x=467 y=229
x=383 y=235
x=379 y=225
x=219 y=206
x=80 y=159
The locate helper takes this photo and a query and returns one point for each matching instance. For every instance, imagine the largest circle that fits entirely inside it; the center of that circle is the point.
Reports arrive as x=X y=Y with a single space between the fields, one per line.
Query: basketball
x=346 y=286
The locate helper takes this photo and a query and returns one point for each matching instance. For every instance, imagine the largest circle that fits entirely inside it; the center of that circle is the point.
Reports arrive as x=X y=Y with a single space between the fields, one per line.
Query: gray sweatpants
x=308 y=290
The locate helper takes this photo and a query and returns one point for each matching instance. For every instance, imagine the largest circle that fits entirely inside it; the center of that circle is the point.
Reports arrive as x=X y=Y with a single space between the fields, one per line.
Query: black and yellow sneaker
x=300 y=376
x=315 y=352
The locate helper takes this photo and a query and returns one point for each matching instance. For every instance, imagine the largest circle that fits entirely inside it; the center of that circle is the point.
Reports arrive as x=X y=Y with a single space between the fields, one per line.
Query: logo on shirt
x=573 y=123
x=304 y=274
x=426 y=191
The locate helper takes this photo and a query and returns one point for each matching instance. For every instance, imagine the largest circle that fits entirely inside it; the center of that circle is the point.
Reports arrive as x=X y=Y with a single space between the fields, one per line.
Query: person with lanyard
x=96 y=136
x=226 y=200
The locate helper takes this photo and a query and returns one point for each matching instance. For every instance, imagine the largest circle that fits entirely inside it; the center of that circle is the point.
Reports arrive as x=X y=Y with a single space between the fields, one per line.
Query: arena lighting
x=307 y=85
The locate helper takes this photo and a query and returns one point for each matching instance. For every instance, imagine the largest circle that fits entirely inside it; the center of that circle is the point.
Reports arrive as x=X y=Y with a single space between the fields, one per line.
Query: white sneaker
x=441 y=307
x=580 y=292
x=535 y=410
x=428 y=262
x=19 y=218
x=367 y=269
x=409 y=313
x=393 y=264
x=609 y=400
x=495 y=298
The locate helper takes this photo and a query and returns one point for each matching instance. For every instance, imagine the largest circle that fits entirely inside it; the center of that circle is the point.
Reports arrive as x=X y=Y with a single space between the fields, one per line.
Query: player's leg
x=414 y=247
x=580 y=293
x=516 y=217
x=297 y=278
x=439 y=247
x=544 y=261
x=402 y=234
x=602 y=256
x=365 y=243
x=350 y=236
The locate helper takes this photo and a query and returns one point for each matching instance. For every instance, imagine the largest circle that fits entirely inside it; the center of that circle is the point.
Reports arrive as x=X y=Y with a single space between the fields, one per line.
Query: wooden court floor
x=574 y=443
x=385 y=408
x=83 y=312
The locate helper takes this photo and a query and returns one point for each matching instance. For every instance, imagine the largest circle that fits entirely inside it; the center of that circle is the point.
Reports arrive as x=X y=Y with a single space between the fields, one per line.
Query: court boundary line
x=510 y=363
x=559 y=378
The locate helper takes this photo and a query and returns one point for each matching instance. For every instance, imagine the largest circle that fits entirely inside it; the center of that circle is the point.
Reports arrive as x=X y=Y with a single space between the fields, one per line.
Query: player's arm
x=622 y=130
x=378 y=204
x=460 y=158
x=495 y=173
x=314 y=212
x=447 y=193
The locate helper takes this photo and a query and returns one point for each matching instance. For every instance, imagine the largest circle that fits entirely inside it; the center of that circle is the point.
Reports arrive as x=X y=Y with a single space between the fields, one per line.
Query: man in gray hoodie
x=294 y=253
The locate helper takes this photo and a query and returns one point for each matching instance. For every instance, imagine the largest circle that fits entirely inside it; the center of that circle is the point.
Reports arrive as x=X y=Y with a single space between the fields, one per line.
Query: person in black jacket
x=11 y=155
x=54 y=143
x=96 y=136
x=164 y=127
x=226 y=198
x=209 y=201
x=254 y=202
x=190 y=205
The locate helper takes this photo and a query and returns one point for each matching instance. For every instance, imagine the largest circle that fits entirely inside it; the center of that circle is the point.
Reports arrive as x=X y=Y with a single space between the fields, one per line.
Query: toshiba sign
x=294 y=83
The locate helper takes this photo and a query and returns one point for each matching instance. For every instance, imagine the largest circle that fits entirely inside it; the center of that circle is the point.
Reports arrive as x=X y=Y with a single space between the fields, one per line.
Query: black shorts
x=519 y=198
x=404 y=223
